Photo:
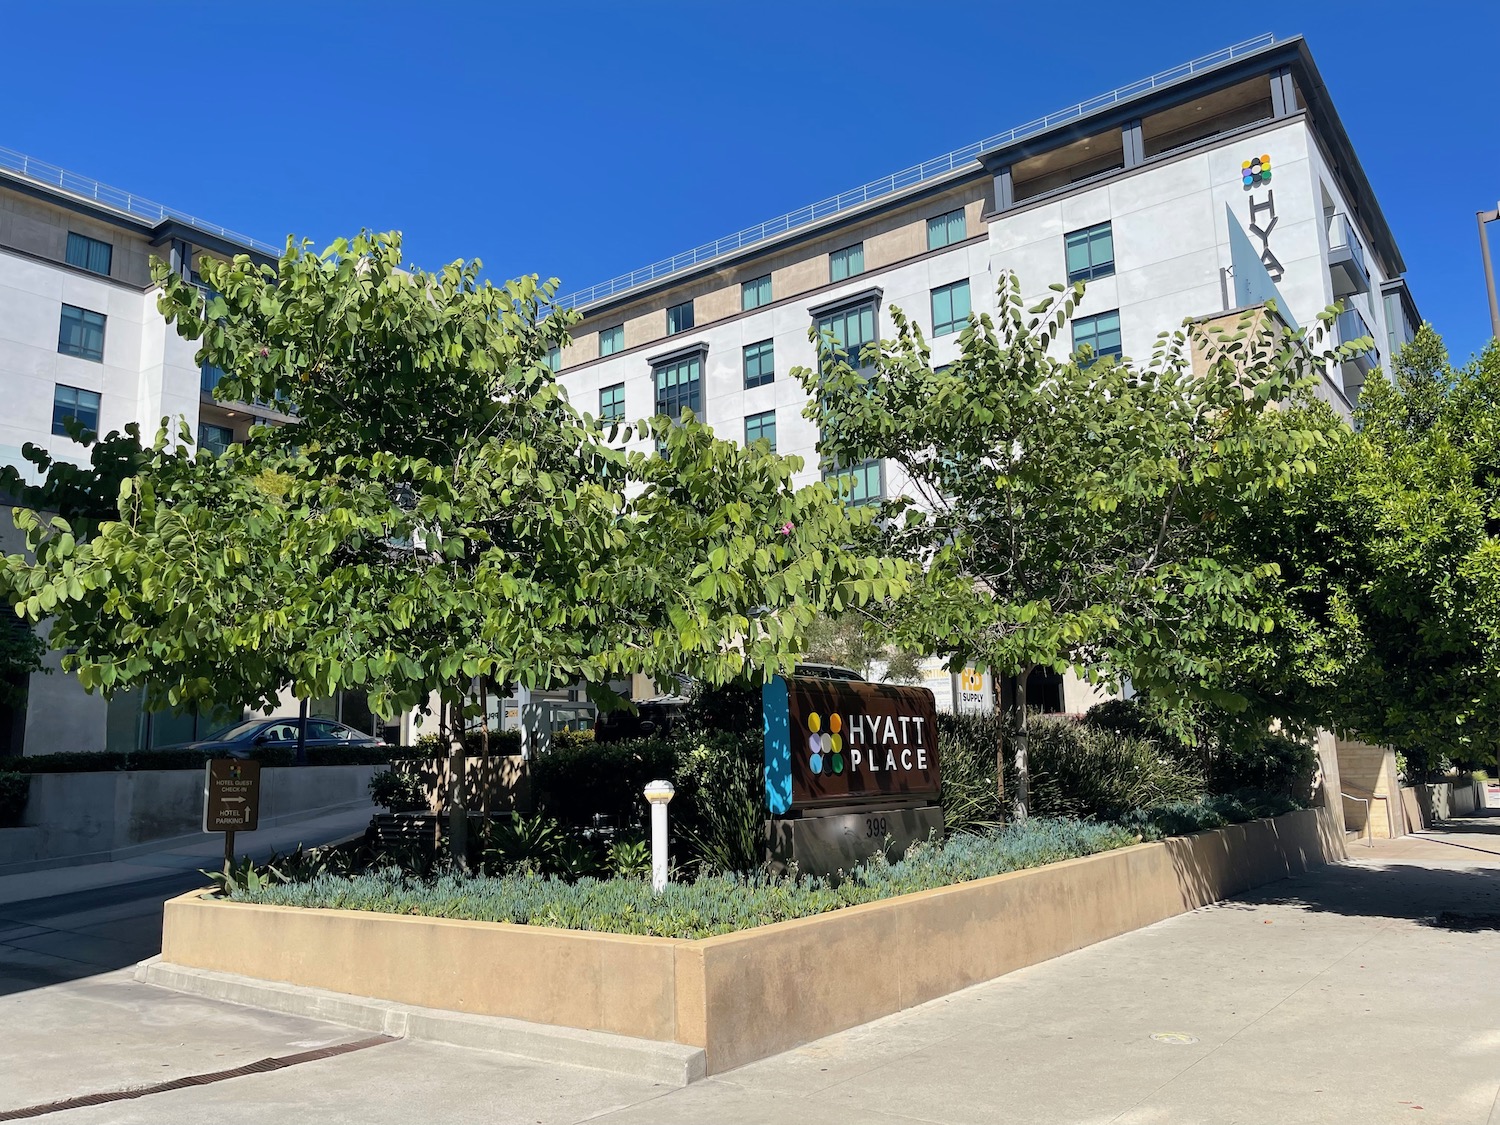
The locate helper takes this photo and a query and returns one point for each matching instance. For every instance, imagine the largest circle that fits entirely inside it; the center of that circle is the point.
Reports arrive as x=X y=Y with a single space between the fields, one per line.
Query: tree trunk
x=458 y=816
x=485 y=780
x=1023 y=746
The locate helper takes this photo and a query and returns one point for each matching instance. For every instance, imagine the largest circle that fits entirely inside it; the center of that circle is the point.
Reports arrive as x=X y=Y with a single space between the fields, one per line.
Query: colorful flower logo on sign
x=825 y=748
x=1256 y=170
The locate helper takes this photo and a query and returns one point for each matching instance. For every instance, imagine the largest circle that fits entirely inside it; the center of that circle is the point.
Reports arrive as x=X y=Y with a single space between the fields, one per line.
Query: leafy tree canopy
x=1062 y=510
x=436 y=511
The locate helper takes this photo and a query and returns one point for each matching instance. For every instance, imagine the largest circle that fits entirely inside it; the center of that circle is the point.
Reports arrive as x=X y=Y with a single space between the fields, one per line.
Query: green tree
x=438 y=511
x=1060 y=509
x=1420 y=483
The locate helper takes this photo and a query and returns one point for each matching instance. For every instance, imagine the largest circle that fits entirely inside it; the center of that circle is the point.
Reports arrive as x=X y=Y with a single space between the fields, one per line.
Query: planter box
x=747 y=995
x=75 y=818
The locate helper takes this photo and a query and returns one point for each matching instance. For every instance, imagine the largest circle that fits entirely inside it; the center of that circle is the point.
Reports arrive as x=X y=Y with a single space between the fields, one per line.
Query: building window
x=81 y=333
x=612 y=403
x=679 y=318
x=215 y=439
x=867 y=485
x=90 y=254
x=846 y=263
x=850 y=329
x=761 y=426
x=554 y=359
x=760 y=364
x=209 y=377
x=755 y=293
x=950 y=308
x=611 y=340
x=945 y=230
x=1091 y=253
x=678 y=386
x=74 y=402
x=1102 y=333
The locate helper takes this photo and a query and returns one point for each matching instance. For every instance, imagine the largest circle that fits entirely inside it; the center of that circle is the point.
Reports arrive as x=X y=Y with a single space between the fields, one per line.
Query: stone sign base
x=822 y=844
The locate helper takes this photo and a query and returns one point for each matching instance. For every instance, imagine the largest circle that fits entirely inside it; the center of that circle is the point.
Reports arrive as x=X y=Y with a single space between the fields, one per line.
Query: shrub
x=711 y=904
x=1271 y=763
x=722 y=817
x=585 y=784
x=14 y=789
x=436 y=746
x=967 y=745
x=1084 y=771
x=398 y=789
x=1179 y=818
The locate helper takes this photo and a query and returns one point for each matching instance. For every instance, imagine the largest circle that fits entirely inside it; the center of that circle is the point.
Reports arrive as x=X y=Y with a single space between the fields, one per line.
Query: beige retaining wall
x=747 y=995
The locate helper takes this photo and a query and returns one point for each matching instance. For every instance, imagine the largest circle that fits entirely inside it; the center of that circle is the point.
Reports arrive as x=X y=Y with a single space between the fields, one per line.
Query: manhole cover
x=1175 y=1038
x=1453 y=920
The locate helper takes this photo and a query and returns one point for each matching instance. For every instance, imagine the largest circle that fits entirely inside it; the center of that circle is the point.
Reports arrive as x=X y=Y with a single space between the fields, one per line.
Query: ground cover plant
x=708 y=905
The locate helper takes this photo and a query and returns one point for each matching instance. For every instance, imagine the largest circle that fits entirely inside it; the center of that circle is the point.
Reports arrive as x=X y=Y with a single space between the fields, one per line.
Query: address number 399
x=875 y=827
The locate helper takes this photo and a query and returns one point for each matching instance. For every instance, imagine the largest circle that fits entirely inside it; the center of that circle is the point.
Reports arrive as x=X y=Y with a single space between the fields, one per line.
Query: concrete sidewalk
x=1332 y=997
x=70 y=922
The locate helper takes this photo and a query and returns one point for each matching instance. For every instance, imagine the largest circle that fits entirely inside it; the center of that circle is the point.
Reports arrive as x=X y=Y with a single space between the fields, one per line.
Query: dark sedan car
x=239 y=739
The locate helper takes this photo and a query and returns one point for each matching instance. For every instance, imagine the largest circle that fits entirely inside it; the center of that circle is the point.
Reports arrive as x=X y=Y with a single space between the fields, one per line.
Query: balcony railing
x=1353 y=326
x=1341 y=236
x=898 y=181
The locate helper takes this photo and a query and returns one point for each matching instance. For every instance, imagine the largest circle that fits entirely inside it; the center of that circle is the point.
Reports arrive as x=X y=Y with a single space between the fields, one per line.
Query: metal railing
x=1369 y=831
x=118 y=198
x=1341 y=235
x=897 y=181
x=1352 y=326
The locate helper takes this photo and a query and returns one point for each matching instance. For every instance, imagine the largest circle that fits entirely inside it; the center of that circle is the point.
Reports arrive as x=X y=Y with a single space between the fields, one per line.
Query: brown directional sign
x=231 y=795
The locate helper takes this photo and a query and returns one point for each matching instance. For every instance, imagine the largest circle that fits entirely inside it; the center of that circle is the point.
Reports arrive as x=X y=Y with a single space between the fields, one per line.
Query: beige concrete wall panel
x=747 y=995
x=602 y=982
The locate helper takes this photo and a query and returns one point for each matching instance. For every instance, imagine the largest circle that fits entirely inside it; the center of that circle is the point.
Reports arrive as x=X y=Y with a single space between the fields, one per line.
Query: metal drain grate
x=1452 y=920
x=260 y=1066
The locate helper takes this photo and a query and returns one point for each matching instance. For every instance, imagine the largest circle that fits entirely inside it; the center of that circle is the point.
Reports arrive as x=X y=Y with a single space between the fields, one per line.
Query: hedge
x=84 y=761
x=14 y=789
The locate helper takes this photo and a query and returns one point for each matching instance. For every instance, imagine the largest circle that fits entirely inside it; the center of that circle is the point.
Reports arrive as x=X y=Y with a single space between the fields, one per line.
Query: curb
x=669 y=1064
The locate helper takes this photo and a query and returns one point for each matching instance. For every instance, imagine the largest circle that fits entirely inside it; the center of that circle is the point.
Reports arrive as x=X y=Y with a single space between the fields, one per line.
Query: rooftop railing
x=119 y=199
x=898 y=181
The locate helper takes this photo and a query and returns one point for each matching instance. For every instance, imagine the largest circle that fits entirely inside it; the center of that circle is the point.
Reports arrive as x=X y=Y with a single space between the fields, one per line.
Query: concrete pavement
x=70 y=922
x=1327 y=998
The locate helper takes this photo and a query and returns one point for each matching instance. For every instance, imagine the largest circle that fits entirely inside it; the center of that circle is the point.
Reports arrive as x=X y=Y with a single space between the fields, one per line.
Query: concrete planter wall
x=746 y=995
x=93 y=817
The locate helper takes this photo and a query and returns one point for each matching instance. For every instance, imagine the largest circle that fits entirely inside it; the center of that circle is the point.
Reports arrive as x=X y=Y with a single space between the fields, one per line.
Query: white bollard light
x=659 y=793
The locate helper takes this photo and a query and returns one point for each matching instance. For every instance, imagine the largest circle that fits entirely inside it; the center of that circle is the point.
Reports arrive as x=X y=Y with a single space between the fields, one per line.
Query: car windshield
x=236 y=731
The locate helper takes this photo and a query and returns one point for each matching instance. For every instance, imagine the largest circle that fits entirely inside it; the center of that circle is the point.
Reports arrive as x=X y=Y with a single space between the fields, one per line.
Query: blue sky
x=582 y=140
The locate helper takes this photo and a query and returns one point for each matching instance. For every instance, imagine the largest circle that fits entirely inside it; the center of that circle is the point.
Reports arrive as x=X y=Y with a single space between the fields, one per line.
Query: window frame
x=1090 y=234
x=677 y=308
x=616 y=335
x=762 y=299
x=845 y=251
x=761 y=419
x=1117 y=351
x=213 y=448
x=80 y=351
x=844 y=311
x=554 y=358
x=954 y=323
x=58 y=428
x=763 y=349
x=941 y=227
x=832 y=474
x=89 y=246
x=693 y=360
x=614 y=410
